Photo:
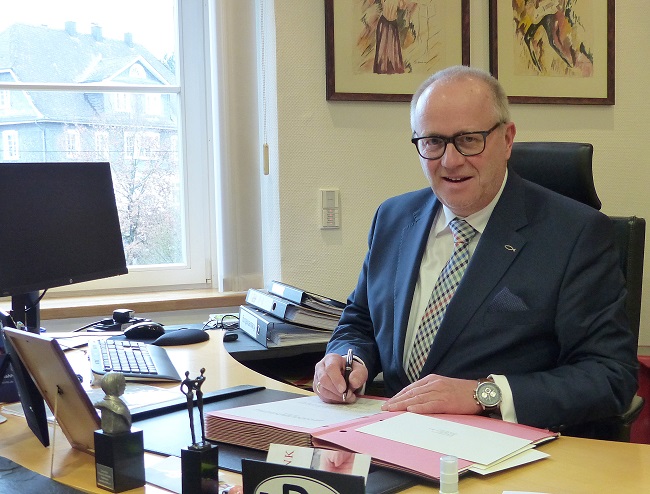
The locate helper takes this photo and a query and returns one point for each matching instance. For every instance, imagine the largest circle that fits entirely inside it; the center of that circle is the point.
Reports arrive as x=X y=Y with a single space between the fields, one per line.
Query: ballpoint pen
x=348 y=368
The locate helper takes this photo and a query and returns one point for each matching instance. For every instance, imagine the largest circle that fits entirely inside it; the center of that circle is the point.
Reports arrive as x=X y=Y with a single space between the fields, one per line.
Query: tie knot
x=462 y=231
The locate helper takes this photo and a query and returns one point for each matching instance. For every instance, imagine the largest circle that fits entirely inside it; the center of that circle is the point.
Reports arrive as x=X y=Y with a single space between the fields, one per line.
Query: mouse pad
x=172 y=337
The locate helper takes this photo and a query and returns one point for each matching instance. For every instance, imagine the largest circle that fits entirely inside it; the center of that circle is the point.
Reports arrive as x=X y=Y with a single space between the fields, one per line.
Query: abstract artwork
x=381 y=50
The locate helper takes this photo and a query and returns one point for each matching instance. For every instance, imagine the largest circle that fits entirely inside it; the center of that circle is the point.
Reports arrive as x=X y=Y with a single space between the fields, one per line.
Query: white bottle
x=448 y=475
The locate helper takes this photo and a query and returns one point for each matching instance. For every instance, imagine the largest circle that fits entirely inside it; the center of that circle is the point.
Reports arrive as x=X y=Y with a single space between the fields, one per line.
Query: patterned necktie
x=445 y=288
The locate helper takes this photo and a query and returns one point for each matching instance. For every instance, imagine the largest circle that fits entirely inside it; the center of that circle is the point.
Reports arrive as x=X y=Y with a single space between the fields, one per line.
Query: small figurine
x=200 y=460
x=116 y=417
x=188 y=387
x=199 y=401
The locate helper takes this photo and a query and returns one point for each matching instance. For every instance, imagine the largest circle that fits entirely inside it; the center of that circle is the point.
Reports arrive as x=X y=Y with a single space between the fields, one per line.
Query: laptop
x=59 y=386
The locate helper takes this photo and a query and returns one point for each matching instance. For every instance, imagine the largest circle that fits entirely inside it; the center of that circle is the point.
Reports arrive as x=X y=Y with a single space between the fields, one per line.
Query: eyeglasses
x=226 y=321
x=466 y=143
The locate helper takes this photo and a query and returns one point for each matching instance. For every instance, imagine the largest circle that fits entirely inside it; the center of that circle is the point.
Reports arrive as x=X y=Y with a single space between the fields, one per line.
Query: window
x=153 y=104
x=121 y=102
x=117 y=91
x=101 y=145
x=10 y=145
x=141 y=145
x=137 y=71
x=72 y=143
x=5 y=102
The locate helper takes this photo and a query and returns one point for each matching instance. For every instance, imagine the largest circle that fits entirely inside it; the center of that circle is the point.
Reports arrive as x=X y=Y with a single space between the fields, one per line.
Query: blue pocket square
x=506 y=301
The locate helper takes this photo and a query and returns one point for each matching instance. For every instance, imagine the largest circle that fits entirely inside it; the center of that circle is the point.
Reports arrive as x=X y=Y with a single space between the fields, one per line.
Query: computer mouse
x=146 y=330
x=184 y=336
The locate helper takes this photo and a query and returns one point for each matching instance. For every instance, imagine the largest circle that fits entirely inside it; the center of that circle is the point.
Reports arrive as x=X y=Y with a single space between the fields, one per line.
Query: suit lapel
x=498 y=247
x=413 y=241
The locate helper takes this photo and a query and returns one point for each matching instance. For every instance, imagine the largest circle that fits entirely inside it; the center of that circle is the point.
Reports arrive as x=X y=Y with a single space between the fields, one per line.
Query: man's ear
x=510 y=132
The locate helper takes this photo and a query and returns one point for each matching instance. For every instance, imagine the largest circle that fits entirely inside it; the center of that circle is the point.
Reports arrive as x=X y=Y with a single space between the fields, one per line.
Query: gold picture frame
x=417 y=38
x=554 y=51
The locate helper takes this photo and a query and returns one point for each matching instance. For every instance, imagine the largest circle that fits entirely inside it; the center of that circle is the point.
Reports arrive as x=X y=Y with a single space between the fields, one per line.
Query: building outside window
x=103 y=82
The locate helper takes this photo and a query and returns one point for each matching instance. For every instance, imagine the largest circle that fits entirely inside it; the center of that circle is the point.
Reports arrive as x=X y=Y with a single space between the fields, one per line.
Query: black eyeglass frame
x=452 y=140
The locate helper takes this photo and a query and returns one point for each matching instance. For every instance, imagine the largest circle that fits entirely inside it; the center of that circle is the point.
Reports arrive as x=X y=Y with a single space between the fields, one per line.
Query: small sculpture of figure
x=188 y=387
x=198 y=382
x=116 y=417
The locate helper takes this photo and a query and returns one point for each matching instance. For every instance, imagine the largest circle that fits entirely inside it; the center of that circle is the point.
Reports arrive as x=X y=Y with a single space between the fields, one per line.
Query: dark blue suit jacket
x=541 y=302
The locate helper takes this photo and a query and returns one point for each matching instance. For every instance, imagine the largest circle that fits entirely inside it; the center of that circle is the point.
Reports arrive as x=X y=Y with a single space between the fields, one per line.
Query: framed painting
x=381 y=50
x=554 y=51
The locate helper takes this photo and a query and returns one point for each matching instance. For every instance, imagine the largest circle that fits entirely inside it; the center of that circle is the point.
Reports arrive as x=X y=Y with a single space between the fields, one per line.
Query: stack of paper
x=286 y=422
x=404 y=441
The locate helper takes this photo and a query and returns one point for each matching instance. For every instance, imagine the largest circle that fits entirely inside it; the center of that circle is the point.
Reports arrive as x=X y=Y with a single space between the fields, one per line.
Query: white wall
x=363 y=148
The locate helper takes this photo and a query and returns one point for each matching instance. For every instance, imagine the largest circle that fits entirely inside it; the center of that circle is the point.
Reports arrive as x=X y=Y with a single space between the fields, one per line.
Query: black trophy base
x=200 y=469
x=119 y=460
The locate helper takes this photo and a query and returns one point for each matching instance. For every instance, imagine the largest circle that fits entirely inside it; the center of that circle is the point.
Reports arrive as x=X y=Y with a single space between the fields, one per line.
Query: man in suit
x=535 y=331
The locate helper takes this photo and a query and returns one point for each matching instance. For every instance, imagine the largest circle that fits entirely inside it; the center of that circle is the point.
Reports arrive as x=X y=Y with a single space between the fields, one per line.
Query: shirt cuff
x=507 y=407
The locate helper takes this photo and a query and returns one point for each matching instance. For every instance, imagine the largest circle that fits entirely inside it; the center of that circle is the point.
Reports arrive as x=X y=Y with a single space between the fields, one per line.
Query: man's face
x=465 y=184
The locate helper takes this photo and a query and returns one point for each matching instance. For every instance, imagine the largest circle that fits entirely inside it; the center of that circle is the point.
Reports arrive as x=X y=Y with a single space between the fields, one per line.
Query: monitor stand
x=25 y=308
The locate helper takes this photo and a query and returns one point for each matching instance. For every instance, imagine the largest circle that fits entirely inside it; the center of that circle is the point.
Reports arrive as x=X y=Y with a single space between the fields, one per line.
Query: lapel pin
x=510 y=248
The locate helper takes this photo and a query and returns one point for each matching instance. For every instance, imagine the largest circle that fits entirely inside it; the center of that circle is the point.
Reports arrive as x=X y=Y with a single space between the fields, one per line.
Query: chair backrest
x=566 y=168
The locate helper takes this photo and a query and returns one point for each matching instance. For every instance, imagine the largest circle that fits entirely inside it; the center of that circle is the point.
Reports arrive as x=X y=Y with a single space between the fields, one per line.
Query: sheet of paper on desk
x=522 y=458
x=462 y=441
x=523 y=492
x=308 y=412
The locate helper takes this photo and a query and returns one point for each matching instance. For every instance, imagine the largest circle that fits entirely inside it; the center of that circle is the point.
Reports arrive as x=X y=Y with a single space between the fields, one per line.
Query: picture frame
x=432 y=34
x=535 y=65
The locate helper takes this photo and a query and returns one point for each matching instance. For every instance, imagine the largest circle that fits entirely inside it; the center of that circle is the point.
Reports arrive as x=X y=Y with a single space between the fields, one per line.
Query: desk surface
x=575 y=466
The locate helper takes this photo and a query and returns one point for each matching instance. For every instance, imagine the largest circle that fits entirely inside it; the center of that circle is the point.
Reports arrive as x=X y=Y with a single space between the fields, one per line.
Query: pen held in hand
x=348 y=369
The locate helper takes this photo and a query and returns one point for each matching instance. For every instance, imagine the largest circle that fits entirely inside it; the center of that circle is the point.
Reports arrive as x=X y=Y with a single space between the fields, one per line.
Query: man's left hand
x=436 y=394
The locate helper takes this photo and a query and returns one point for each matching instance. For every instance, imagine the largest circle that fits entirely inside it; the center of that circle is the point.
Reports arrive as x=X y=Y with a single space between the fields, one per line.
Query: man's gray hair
x=461 y=72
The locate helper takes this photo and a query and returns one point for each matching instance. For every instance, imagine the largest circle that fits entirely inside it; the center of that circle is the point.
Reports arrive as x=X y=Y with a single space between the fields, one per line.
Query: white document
x=522 y=458
x=446 y=437
x=308 y=412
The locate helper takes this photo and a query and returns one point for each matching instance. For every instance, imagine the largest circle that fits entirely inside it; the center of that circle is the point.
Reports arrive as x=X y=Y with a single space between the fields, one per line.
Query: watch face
x=488 y=394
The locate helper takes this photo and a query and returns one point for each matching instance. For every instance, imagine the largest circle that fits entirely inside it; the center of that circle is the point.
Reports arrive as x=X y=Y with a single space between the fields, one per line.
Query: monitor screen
x=58 y=226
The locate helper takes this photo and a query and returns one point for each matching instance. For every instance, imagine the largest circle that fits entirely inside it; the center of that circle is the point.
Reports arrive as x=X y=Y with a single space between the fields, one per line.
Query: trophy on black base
x=119 y=451
x=200 y=460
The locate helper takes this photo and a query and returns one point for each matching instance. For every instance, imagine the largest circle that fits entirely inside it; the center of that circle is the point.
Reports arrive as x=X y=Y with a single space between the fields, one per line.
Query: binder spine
x=253 y=326
x=290 y=293
x=268 y=303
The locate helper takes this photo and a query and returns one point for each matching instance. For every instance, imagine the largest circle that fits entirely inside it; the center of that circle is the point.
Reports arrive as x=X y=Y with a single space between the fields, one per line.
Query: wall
x=364 y=149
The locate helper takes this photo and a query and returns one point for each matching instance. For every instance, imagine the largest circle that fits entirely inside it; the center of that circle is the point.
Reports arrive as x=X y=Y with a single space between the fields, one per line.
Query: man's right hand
x=329 y=382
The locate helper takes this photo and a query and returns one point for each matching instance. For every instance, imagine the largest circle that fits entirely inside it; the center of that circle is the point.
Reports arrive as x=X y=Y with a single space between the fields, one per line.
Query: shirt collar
x=477 y=220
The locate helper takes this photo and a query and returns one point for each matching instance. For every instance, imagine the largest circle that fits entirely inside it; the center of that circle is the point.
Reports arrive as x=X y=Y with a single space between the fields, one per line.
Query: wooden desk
x=576 y=466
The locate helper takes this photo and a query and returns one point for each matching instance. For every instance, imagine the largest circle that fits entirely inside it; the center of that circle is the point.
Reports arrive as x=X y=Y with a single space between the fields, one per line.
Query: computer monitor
x=59 y=225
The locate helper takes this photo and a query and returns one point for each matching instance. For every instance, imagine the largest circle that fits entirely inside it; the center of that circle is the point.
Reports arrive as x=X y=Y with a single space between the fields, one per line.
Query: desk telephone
x=120 y=317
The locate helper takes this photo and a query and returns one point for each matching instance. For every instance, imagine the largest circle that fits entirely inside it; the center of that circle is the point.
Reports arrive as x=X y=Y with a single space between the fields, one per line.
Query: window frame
x=195 y=134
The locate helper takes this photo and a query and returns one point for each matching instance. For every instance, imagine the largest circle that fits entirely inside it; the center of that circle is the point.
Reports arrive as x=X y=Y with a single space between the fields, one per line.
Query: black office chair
x=566 y=167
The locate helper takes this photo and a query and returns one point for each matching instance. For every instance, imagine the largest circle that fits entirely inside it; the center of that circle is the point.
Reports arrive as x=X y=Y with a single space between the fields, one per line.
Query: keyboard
x=136 y=360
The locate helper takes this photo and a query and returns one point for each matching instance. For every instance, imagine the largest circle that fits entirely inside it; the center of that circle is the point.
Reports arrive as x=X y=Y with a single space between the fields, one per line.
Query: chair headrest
x=564 y=167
